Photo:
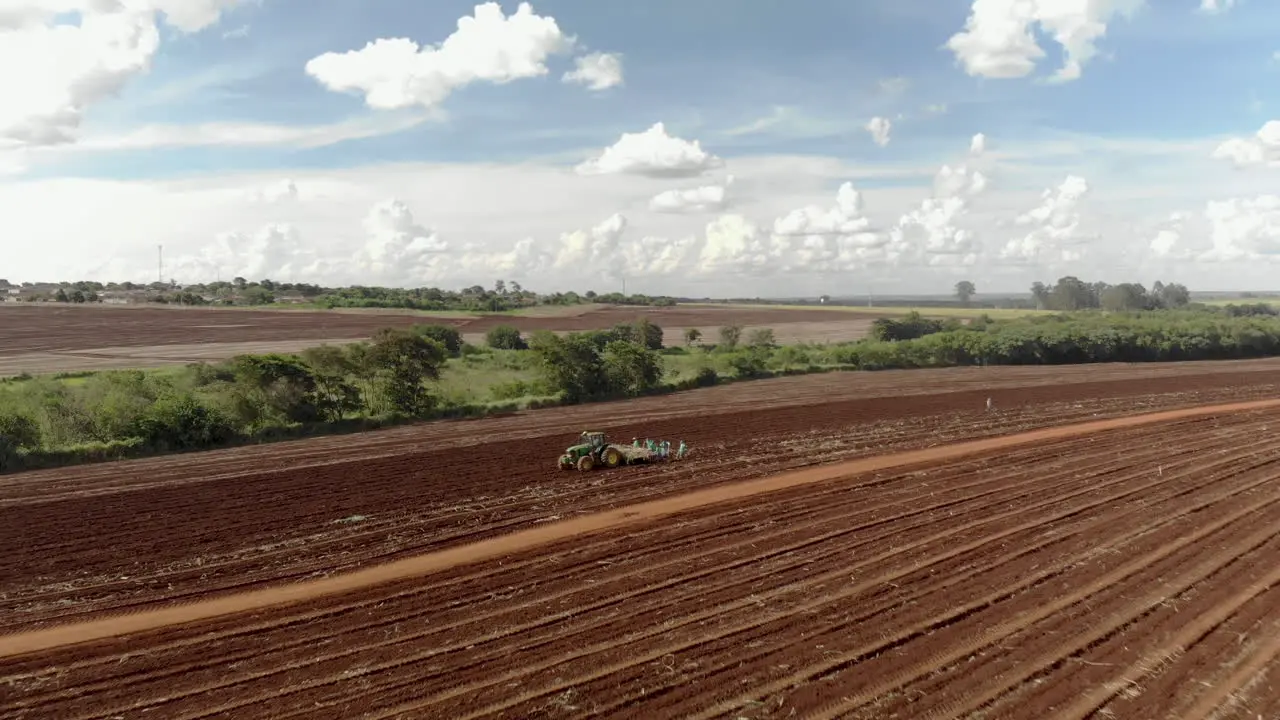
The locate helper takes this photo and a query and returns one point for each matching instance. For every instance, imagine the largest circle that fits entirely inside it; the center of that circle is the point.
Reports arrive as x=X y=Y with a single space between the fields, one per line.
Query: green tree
x=750 y=363
x=21 y=431
x=648 y=334
x=762 y=338
x=505 y=337
x=965 y=290
x=730 y=335
x=61 y=296
x=403 y=361
x=447 y=336
x=692 y=336
x=631 y=368
x=179 y=421
x=274 y=389
x=333 y=367
x=571 y=365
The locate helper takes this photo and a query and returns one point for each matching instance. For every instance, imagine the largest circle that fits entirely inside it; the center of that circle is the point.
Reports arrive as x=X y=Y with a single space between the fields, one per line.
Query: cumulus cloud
x=1054 y=235
x=653 y=153
x=932 y=232
x=597 y=71
x=705 y=198
x=1168 y=241
x=836 y=239
x=397 y=249
x=998 y=40
x=487 y=47
x=594 y=247
x=879 y=128
x=64 y=56
x=1244 y=229
x=1261 y=149
x=734 y=244
x=978 y=145
x=275 y=251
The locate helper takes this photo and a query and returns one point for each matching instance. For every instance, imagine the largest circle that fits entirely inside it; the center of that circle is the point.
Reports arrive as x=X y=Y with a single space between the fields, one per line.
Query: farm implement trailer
x=594 y=449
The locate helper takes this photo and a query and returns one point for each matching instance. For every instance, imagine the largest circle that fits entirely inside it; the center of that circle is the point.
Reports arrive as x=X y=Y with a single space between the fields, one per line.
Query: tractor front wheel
x=565 y=463
x=585 y=463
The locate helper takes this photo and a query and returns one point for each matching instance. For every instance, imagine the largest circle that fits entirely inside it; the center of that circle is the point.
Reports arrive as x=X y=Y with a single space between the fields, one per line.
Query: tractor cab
x=589 y=443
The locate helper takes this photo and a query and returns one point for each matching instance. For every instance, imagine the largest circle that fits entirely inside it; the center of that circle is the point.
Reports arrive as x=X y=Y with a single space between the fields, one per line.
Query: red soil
x=29 y=328
x=1124 y=571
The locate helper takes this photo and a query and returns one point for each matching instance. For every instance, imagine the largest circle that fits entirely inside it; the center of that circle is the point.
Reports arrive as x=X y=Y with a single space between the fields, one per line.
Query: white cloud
x=1244 y=229
x=597 y=71
x=998 y=39
x=1216 y=6
x=978 y=145
x=1261 y=149
x=653 y=153
x=57 y=68
x=232 y=134
x=1055 y=226
x=275 y=251
x=397 y=249
x=487 y=47
x=591 y=249
x=734 y=245
x=837 y=239
x=879 y=128
x=789 y=224
x=699 y=199
x=1168 y=241
x=932 y=233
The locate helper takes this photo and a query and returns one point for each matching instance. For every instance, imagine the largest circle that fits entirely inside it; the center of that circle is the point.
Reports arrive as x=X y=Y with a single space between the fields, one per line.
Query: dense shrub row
x=401 y=375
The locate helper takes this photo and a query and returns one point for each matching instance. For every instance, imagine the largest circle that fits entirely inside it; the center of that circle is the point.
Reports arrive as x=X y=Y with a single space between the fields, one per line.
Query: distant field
x=887 y=310
x=1219 y=302
x=52 y=338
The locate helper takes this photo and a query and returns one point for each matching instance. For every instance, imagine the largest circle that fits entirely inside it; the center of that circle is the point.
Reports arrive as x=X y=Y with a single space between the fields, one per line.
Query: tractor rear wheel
x=585 y=463
x=612 y=458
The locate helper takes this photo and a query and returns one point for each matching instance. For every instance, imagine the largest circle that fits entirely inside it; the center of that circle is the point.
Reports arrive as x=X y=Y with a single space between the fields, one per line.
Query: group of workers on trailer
x=662 y=448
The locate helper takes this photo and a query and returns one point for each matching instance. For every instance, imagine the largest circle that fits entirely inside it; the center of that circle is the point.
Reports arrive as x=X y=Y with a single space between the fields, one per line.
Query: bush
x=447 y=336
x=181 y=422
x=505 y=337
x=706 y=377
x=19 y=431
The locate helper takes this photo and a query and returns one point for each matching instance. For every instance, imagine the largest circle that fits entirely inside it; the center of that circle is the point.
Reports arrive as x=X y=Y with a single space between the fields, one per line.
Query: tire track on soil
x=422 y=565
x=599 y=671
x=833 y=513
x=790 y=614
x=993 y=634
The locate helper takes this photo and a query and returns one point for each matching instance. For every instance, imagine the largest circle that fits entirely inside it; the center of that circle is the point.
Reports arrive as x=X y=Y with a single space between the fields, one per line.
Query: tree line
x=504 y=296
x=396 y=376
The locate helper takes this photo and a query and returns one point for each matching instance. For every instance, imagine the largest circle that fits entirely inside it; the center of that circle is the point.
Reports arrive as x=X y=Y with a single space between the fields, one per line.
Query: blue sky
x=755 y=83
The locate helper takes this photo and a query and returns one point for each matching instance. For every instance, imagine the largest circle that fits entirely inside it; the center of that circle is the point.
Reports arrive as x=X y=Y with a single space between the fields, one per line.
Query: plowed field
x=848 y=554
x=46 y=337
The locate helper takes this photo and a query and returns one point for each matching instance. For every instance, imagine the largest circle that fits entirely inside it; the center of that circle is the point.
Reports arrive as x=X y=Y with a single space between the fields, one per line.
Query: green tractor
x=594 y=449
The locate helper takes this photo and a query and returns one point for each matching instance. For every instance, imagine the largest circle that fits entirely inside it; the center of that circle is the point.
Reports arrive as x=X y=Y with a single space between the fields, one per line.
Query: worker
x=635 y=442
x=680 y=452
x=989 y=405
x=650 y=444
x=666 y=449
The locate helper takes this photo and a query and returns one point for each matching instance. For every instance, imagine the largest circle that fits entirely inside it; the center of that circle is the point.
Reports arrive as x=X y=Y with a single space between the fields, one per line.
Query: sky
x=693 y=147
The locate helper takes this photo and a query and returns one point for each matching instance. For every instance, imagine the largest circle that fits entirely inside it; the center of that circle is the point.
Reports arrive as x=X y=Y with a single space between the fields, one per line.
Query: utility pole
x=160 y=264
